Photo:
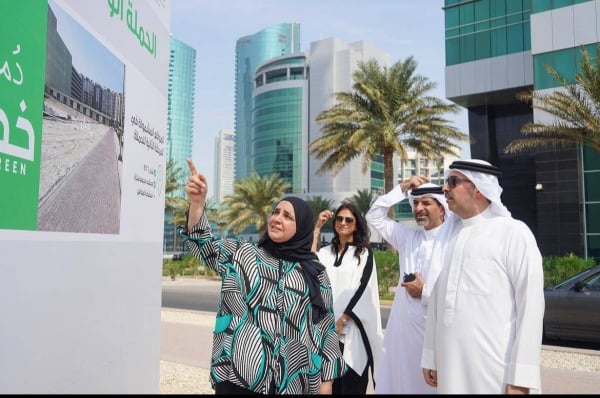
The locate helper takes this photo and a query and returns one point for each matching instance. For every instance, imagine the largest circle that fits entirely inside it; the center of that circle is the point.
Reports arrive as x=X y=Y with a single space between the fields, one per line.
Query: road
x=188 y=296
x=80 y=174
x=88 y=199
x=565 y=370
x=192 y=294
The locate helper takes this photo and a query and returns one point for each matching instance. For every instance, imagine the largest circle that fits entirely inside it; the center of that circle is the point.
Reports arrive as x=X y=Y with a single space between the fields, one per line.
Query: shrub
x=172 y=268
x=387 y=270
x=187 y=266
x=558 y=269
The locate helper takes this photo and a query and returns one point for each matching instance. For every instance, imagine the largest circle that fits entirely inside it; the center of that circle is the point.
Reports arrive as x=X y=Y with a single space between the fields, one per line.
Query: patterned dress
x=264 y=338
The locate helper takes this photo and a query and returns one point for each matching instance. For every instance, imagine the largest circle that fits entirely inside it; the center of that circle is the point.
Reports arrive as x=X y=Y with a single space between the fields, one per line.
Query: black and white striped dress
x=264 y=336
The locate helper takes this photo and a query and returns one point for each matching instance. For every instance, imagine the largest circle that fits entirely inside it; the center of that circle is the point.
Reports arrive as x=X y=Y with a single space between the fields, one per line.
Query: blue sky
x=400 y=27
x=90 y=57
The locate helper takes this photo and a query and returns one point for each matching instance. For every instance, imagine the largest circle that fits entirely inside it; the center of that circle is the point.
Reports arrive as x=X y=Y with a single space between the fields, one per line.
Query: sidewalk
x=186 y=344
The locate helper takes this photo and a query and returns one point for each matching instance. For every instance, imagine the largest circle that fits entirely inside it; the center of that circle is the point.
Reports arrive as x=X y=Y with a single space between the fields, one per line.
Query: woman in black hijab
x=275 y=328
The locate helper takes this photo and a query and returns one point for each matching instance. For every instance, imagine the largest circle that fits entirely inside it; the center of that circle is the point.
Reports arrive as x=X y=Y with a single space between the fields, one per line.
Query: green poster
x=22 y=70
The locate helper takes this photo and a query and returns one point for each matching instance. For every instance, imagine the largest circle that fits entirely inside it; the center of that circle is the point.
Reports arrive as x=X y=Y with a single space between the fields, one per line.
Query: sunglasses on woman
x=349 y=220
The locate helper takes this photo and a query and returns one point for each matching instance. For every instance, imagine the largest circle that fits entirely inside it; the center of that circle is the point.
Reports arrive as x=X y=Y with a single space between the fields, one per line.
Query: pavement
x=186 y=338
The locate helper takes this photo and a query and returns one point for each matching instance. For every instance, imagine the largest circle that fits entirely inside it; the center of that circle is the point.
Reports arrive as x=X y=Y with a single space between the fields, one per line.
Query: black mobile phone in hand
x=408 y=277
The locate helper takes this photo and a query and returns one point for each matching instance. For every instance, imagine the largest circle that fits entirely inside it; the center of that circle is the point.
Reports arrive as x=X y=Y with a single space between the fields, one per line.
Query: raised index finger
x=193 y=170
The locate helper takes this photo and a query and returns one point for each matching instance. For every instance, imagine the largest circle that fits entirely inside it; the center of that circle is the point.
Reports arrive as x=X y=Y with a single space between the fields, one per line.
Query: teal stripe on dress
x=222 y=322
x=316 y=363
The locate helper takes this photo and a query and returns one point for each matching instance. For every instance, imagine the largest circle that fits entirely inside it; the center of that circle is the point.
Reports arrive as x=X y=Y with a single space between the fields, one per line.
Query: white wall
x=80 y=312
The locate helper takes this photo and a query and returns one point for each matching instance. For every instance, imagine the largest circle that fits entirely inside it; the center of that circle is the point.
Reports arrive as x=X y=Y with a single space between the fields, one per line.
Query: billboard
x=83 y=113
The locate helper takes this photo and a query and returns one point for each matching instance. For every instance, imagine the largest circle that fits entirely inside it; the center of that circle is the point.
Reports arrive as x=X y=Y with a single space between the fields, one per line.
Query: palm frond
x=388 y=110
x=574 y=109
x=252 y=200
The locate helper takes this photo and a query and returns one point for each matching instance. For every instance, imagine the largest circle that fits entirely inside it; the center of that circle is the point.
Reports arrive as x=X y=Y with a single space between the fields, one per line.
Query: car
x=573 y=309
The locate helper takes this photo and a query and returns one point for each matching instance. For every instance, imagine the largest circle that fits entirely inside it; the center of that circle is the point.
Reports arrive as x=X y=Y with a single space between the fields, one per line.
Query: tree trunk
x=389 y=181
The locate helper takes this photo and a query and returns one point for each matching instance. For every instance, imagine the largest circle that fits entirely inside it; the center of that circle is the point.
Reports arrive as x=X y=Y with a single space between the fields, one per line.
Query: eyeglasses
x=453 y=181
x=349 y=220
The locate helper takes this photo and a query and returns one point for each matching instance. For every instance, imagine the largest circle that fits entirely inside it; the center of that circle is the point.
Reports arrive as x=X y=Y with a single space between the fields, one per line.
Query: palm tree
x=317 y=204
x=575 y=107
x=363 y=199
x=174 y=205
x=173 y=181
x=388 y=111
x=212 y=209
x=252 y=201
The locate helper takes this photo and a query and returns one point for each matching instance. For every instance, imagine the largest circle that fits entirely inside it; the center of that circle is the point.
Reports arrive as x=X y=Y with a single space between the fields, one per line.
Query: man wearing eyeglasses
x=399 y=367
x=484 y=320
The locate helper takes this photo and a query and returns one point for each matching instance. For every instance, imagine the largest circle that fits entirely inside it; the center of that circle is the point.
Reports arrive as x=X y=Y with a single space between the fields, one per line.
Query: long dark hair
x=362 y=234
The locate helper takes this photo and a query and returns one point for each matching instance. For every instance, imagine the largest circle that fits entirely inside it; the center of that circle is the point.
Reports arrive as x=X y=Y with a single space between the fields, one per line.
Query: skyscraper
x=224 y=164
x=180 y=124
x=251 y=51
x=280 y=120
x=180 y=121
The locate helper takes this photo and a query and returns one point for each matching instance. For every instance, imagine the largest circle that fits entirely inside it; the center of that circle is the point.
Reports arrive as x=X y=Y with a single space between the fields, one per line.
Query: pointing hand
x=197 y=187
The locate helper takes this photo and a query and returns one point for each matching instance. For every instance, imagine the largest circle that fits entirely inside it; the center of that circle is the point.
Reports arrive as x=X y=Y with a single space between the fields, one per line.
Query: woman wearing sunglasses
x=351 y=269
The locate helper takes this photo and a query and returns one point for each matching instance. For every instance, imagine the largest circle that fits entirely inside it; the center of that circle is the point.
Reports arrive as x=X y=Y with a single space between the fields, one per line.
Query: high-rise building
x=289 y=92
x=224 y=164
x=332 y=63
x=250 y=52
x=496 y=49
x=280 y=120
x=180 y=121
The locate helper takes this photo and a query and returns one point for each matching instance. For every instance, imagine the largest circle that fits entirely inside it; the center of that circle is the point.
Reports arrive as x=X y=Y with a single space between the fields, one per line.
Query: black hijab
x=298 y=249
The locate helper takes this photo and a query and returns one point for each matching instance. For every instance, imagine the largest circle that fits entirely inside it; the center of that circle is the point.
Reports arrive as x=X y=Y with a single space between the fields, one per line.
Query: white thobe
x=355 y=292
x=484 y=321
x=399 y=368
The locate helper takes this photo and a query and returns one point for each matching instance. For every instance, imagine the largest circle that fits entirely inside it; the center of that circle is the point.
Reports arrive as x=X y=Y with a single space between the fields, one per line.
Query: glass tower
x=280 y=121
x=180 y=124
x=180 y=120
x=251 y=51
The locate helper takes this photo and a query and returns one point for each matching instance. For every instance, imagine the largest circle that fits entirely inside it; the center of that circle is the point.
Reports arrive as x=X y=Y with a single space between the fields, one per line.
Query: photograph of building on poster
x=82 y=139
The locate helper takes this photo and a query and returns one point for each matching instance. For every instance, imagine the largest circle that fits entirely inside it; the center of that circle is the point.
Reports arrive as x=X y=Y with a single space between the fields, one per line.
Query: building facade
x=250 y=52
x=280 y=120
x=180 y=123
x=496 y=49
x=569 y=186
x=224 y=164
x=332 y=63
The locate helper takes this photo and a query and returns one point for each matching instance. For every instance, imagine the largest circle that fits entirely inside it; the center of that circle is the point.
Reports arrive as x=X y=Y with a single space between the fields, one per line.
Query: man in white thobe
x=484 y=320
x=398 y=370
